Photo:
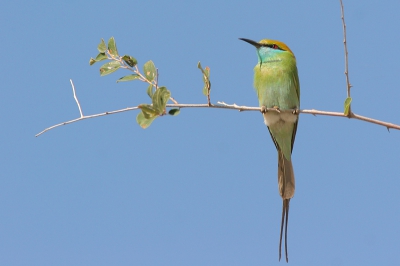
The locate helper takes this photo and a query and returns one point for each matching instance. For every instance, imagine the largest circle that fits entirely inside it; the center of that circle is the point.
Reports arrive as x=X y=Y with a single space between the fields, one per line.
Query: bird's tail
x=286 y=186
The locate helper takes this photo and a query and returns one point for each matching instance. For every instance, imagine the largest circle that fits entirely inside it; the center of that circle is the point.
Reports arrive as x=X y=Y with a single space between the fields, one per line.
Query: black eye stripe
x=273 y=46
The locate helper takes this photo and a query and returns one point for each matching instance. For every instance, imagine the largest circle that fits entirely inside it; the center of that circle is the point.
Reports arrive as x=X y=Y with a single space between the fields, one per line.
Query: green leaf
x=150 y=91
x=92 y=61
x=112 y=47
x=174 y=112
x=109 y=68
x=129 y=78
x=206 y=72
x=149 y=70
x=205 y=90
x=101 y=57
x=347 y=103
x=102 y=46
x=206 y=79
x=129 y=60
x=160 y=99
x=143 y=121
x=148 y=110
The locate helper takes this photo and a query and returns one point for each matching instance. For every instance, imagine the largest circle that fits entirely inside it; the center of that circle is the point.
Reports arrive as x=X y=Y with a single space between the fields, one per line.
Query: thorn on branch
x=173 y=100
x=277 y=109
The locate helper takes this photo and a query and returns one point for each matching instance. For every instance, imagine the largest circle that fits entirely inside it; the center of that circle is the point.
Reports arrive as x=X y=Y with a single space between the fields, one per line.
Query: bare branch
x=346 y=62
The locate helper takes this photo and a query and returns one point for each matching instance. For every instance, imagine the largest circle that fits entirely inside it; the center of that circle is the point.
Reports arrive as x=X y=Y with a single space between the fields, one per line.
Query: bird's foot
x=296 y=111
x=263 y=109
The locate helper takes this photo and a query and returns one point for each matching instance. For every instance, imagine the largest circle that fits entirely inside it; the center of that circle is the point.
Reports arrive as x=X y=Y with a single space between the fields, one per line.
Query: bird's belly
x=271 y=118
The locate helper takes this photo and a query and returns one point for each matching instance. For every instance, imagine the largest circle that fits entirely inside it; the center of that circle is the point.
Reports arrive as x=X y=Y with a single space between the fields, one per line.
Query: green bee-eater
x=277 y=85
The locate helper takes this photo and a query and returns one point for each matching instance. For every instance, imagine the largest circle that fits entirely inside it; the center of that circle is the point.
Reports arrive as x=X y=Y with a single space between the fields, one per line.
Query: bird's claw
x=295 y=111
x=277 y=109
x=263 y=109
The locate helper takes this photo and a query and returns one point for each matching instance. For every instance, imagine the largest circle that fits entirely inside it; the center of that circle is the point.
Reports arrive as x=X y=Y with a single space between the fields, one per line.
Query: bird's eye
x=274 y=46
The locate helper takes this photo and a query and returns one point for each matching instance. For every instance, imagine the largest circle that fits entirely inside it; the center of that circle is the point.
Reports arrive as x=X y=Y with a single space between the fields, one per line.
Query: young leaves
x=150 y=112
x=129 y=78
x=102 y=47
x=101 y=57
x=150 y=91
x=160 y=99
x=159 y=95
x=102 y=53
x=109 y=68
x=112 y=47
x=144 y=122
x=149 y=70
x=206 y=79
x=111 y=52
x=347 y=103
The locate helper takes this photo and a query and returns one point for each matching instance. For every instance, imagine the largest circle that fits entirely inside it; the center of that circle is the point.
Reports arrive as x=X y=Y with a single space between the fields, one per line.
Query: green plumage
x=277 y=86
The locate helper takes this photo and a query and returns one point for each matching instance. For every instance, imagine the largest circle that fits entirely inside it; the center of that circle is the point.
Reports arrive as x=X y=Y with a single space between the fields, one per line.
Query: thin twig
x=346 y=62
x=208 y=94
x=157 y=79
x=142 y=78
x=173 y=100
x=76 y=98
x=208 y=87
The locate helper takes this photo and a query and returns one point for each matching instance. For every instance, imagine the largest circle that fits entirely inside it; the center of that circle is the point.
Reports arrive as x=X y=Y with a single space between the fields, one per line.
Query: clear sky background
x=199 y=188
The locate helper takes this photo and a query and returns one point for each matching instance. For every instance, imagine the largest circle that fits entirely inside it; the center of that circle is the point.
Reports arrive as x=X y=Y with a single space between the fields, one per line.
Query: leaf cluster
x=159 y=95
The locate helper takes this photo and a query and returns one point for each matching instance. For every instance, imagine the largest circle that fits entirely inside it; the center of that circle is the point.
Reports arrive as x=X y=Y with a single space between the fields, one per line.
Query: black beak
x=256 y=44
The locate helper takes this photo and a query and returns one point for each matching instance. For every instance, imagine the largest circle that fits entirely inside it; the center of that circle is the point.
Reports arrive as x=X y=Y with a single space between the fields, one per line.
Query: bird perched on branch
x=277 y=86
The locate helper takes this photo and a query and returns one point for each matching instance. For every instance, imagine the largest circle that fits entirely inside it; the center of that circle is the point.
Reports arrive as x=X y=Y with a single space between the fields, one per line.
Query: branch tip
x=76 y=98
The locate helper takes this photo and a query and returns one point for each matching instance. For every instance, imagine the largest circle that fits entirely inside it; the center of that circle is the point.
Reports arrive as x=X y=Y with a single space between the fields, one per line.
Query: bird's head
x=269 y=49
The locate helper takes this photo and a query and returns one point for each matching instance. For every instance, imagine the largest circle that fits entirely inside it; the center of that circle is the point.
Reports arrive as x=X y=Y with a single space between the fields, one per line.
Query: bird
x=276 y=83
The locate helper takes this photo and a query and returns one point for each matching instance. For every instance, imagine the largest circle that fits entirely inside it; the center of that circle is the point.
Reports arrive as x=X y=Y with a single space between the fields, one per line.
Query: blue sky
x=199 y=188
